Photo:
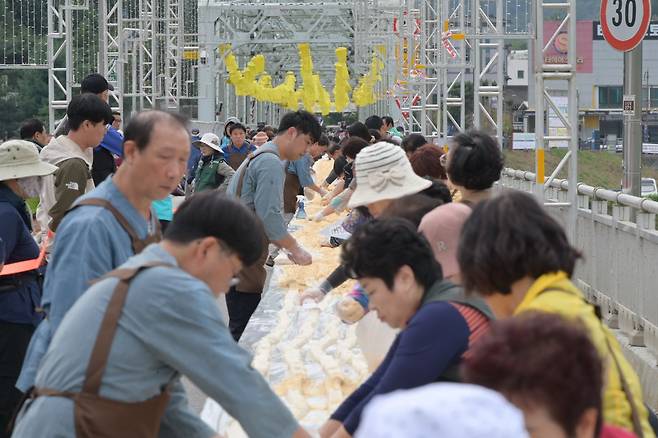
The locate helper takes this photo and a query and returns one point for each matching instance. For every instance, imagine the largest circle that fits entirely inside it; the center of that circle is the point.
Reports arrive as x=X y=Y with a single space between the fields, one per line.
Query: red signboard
x=558 y=51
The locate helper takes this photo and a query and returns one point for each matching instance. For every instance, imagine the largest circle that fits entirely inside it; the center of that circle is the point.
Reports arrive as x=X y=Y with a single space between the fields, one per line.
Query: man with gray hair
x=111 y=223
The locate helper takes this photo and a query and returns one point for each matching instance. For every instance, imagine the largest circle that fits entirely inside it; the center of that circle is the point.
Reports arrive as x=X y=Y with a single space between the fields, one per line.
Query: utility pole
x=633 y=122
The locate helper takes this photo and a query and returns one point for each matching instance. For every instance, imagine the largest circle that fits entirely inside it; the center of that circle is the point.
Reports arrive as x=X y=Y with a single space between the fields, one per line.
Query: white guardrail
x=617 y=235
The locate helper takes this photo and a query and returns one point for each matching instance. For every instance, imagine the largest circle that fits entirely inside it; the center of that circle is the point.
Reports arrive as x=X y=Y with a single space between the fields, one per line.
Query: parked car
x=649 y=187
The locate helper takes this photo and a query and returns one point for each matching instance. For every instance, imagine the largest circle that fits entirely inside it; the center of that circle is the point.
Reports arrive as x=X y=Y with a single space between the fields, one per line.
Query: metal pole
x=633 y=123
x=500 y=77
x=102 y=46
x=477 y=66
x=539 y=102
x=51 y=67
x=572 y=194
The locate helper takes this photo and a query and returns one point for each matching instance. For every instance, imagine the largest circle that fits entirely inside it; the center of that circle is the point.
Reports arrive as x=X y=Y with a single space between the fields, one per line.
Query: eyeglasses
x=235 y=267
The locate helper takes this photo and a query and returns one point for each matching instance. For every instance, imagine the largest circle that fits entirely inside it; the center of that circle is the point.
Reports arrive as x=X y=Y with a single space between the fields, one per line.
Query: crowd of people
x=108 y=298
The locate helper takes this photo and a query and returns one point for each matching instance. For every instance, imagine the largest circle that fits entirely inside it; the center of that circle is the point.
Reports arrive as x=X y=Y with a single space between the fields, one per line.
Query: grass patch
x=595 y=168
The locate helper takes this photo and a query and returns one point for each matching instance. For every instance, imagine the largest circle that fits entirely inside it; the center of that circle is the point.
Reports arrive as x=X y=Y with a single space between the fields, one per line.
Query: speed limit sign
x=625 y=22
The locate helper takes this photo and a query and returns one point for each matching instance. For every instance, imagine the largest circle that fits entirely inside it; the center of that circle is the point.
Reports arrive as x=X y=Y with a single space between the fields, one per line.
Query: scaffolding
x=545 y=103
x=150 y=50
x=274 y=30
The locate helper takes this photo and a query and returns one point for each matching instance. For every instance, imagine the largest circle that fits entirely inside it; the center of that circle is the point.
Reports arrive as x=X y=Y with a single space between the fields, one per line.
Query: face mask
x=31 y=186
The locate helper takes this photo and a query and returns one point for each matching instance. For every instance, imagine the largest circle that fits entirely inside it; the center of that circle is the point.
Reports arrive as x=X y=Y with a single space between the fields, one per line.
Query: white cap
x=446 y=410
x=383 y=171
x=20 y=159
x=209 y=139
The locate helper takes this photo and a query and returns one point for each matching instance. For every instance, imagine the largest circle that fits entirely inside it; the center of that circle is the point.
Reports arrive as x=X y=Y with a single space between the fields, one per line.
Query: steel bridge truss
x=274 y=30
x=545 y=103
x=145 y=48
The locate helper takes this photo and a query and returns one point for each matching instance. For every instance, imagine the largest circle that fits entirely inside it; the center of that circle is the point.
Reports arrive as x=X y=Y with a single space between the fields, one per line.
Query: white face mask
x=31 y=186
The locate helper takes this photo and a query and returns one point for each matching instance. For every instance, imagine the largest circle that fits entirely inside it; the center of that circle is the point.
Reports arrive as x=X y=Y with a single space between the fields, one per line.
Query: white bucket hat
x=20 y=159
x=448 y=410
x=209 y=139
x=383 y=171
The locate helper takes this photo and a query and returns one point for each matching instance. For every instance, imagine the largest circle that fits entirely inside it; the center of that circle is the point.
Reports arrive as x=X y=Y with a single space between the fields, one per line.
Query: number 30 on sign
x=625 y=22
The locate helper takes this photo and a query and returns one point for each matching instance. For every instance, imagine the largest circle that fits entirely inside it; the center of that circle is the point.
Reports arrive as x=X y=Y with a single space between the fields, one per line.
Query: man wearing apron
x=299 y=176
x=239 y=148
x=113 y=369
x=111 y=223
x=259 y=184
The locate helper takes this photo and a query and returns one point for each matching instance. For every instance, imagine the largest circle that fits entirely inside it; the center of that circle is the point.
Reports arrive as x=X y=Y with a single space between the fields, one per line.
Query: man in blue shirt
x=239 y=148
x=259 y=185
x=299 y=176
x=92 y=240
x=168 y=325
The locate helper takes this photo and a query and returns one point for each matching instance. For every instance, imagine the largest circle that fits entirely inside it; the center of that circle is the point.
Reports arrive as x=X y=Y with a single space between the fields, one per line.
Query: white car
x=649 y=187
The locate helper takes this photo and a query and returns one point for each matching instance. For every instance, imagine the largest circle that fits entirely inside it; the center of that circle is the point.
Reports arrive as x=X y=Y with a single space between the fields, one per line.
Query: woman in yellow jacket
x=518 y=257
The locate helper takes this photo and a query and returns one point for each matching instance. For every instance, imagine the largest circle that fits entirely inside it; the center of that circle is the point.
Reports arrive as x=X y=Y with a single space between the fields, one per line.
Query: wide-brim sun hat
x=209 y=139
x=20 y=159
x=383 y=171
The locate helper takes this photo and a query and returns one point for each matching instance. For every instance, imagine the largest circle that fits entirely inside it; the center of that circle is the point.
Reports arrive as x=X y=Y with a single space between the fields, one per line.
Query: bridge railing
x=617 y=234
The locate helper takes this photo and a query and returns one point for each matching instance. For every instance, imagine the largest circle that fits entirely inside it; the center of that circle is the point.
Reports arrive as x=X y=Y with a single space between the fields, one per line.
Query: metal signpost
x=624 y=24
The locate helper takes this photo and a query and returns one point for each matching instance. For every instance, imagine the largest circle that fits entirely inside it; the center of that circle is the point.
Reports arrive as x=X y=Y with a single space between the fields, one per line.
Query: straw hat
x=209 y=139
x=20 y=159
x=383 y=172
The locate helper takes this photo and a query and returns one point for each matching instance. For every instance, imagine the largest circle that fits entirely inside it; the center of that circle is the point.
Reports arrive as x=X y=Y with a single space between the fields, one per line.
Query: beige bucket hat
x=20 y=159
x=209 y=139
x=383 y=171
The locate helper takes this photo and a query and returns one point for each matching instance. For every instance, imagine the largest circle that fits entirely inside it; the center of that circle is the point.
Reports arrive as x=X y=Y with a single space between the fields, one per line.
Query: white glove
x=300 y=256
x=310 y=194
x=314 y=294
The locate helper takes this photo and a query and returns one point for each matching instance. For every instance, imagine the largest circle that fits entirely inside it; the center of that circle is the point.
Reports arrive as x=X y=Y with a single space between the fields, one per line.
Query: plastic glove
x=300 y=256
x=317 y=217
x=310 y=194
x=354 y=306
x=313 y=294
x=349 y=310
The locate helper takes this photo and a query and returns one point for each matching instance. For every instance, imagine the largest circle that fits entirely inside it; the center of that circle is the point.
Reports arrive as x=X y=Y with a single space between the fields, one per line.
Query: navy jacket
x=20 y=294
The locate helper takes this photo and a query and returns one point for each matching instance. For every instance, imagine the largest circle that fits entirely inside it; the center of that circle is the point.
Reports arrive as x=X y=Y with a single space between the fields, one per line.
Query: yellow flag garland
x=255 y=82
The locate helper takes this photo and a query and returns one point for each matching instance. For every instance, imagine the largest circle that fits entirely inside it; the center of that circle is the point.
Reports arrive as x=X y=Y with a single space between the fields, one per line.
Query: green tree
x=23 y=95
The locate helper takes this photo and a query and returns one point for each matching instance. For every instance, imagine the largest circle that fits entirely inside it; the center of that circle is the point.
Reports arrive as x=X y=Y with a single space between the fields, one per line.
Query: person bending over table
x=114 y=365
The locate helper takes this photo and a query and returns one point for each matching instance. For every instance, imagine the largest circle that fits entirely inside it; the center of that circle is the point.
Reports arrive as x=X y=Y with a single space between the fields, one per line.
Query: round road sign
x=625 y=22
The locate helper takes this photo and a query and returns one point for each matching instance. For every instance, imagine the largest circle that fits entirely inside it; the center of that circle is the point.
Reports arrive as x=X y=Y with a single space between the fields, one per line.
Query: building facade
x=600 y=80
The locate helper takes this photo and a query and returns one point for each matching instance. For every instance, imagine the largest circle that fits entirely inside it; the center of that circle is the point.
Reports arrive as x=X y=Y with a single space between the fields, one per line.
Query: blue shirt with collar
x=262 y=190
x=89 y=243
x=231 y=149
x=170 y=325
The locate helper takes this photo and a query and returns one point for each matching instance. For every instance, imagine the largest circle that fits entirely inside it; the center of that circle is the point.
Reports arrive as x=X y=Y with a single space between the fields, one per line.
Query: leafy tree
x=23 y=95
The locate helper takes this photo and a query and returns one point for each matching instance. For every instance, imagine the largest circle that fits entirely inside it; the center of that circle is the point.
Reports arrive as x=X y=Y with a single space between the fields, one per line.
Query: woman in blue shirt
x=404 y=283
x=20 y=293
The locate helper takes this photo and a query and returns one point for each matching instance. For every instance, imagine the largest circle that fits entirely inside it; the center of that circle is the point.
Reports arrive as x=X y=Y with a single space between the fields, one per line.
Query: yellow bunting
x=364 y=94
x=254 y=81
x=342 y=85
